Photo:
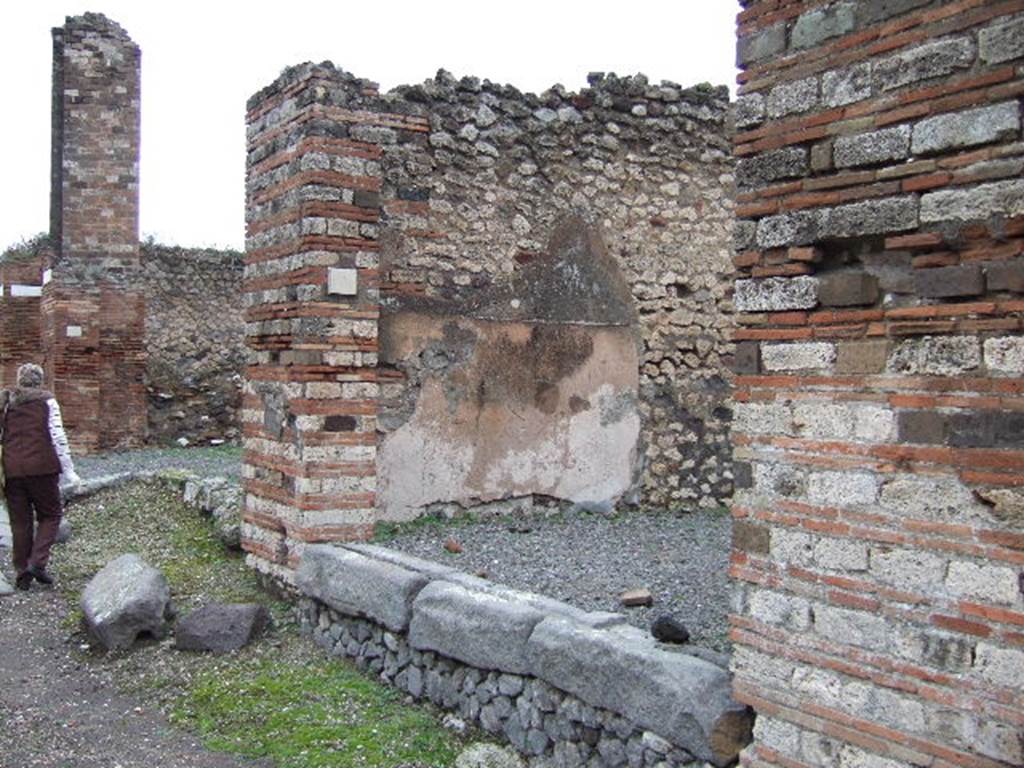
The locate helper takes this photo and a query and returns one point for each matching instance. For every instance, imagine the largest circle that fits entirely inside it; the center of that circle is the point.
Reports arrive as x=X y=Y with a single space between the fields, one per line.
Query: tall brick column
x=93 y=308
x=312 y=287
x=879 y=425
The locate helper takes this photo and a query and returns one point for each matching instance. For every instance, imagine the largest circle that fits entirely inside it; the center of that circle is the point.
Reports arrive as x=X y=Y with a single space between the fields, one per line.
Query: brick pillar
x=21 y=287
x=312 y=287
x=93 y=308
x=879 y=424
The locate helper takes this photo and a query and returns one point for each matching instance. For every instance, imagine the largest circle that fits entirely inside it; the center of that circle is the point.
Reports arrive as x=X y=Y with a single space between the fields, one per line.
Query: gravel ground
x=588 y=561
x=225 y=460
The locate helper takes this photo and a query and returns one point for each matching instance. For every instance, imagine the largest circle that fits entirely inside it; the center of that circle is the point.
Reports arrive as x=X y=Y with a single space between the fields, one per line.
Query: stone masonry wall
x=879 y=436
x=93 y=309
x=477 y=223
x=195 y=343
x=565 y=687
x=358 y=200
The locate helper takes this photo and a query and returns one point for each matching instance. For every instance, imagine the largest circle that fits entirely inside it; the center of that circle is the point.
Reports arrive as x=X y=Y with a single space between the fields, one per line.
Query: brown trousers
x=41 y=494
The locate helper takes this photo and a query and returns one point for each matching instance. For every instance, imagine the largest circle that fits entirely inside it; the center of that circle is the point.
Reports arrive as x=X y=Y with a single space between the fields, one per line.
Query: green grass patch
x=301 y=716
x=281 y=698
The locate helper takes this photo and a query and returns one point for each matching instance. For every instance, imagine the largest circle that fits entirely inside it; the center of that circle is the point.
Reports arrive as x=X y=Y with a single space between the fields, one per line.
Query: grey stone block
x=1002 y=42
x=126 y=598
x=428 y=568
x=757 y=171
x=966 y=129
x=477 y=628
x=793 y=98
x=679 y=697
x=357 y=585
x=775 y=294
x=943 y=282
x=847 y=289
x=927 y=61
x=220 y=628
x=871 y=217
x=872 y=148
x=761 y=45
x=872 y=11
x=797 y=228
x=846 y=86
x=1000 y=198
x=821 y=24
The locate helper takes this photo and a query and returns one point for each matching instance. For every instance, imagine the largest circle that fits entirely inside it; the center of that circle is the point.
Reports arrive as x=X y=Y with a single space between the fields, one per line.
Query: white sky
x=202 y=60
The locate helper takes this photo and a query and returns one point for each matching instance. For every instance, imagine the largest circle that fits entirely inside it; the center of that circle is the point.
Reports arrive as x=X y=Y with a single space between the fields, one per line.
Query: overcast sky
x=202 y=60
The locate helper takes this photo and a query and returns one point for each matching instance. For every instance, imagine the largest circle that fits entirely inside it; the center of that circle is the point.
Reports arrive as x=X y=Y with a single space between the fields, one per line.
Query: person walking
x=36 y=458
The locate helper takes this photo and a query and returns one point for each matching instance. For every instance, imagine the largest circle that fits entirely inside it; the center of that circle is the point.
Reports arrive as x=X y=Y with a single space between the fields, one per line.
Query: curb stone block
x=668 y=693
x=358 y=585
x=476 y=628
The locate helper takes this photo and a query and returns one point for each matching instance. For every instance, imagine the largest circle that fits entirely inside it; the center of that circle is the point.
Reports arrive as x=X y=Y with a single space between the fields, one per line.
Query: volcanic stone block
x=972 y=430
x=479 y=629
x=936 y=356
x=775 y=294
x=786 y=163
x=791 y=98
x=846 y=86
x=847 y=289
x=934 y=59
x=871 y=217
x=128 y=597
x=873 y=147
x=872 y=11
x=942 y=282
x=749 y=110
x=1005 y=354
x=798 y=228
x=810 y=355
x=1000 y=198
x=677 y=696
x=969 y=128
x=357 y=585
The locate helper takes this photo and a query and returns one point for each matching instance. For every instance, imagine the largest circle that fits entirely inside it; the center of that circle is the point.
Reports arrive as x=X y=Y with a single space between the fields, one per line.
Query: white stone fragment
x=811 y=355
x=1005 y=354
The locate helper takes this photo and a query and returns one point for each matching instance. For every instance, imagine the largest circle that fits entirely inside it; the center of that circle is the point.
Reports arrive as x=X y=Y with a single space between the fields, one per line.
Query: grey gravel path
x=589 y=561
x=202 y=461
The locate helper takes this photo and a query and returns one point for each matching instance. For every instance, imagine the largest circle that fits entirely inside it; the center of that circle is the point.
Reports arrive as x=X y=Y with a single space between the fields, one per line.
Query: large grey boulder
x=682 y=698
x=480 y=629
x=125 y=599
x=220 y=627
x=357 y=585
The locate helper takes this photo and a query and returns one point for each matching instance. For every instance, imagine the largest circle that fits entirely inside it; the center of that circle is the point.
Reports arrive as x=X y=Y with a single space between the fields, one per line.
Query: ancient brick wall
x=310 y=398
x=195 y=342
x=93 y=309
x=878 y=435
x=21 y=277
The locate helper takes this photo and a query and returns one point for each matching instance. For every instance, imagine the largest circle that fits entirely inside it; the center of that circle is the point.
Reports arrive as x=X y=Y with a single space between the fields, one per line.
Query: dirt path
x=58 y=712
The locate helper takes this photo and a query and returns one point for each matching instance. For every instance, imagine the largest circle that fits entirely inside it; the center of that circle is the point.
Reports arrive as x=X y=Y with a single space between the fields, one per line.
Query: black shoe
x=40 y=575
x=24 y=580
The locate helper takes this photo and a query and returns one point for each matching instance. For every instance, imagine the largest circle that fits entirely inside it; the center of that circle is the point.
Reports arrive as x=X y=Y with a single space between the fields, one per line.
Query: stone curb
x=682 y=696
